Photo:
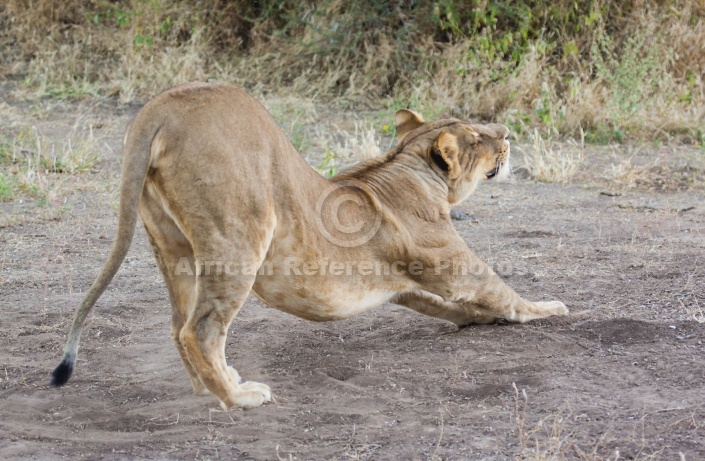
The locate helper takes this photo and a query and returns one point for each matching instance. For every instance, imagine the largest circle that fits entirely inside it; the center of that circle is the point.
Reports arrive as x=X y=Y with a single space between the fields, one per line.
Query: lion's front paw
x=248 y=395
x=552 y=308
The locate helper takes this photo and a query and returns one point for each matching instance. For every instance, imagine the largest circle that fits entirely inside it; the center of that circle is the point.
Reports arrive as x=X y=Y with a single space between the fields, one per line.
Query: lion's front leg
x=497 y=298
x=462 y=289
x=434 y=306
x=471 y=313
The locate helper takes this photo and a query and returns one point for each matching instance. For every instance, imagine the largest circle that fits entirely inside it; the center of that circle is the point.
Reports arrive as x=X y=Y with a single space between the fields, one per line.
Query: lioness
x=231 y=208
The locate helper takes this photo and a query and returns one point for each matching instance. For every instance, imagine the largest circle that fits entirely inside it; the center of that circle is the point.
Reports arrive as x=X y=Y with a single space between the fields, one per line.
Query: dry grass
x=363 y=143
x=693 y=310
x=545 y=441
x=547 y=161
x=654 y=172
x=320 y=138
x=550 y=439
x=32 y=165
x=626 y=173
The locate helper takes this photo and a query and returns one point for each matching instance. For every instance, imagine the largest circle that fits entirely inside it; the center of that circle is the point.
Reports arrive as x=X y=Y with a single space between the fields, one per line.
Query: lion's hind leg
x=219 y=298
x=209 y=278
x=228 y=254
x=174 y=256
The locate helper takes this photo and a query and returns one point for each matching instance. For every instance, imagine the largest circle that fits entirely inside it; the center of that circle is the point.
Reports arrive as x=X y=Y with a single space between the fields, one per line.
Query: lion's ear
x=405 y=121
x=445 y=154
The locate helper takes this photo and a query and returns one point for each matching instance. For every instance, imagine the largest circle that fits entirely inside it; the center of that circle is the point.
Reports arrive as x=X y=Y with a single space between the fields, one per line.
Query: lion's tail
x=138 y=146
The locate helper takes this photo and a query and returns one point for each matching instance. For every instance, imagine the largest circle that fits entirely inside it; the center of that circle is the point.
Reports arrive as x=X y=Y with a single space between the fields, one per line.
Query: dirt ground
x=620 y=378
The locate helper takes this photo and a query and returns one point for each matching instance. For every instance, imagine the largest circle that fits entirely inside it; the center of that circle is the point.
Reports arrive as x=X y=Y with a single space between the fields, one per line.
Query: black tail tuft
x=62 y=373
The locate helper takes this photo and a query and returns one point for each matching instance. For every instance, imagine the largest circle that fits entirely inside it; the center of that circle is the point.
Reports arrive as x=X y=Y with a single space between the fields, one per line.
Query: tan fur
x=219 y=187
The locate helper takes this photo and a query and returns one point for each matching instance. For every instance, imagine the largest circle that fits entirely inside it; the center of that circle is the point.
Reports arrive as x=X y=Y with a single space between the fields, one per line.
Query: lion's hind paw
x=258 y=387
x=247 y=394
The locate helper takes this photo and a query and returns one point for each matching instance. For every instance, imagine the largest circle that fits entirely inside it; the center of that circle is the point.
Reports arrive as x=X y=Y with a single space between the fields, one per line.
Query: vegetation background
x=615 y=70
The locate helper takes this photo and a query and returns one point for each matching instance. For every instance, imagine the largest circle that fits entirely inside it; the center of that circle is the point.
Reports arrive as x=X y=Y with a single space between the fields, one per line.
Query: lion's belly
x=319 y=299
x=312 y=279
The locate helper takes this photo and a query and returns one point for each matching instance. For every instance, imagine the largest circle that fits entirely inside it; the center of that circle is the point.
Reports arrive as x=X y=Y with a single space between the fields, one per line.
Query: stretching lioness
x=231 y=208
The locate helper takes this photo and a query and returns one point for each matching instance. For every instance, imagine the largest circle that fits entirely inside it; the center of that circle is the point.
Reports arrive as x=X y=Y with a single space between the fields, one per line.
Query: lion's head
x=462 y=153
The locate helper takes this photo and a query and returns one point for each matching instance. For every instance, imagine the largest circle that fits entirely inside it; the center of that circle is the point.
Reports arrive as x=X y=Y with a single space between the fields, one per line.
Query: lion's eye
x=492 y=173
x=506 y=138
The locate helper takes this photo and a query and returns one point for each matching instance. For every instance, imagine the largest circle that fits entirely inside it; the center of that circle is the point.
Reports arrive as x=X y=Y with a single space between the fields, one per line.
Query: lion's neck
x=387 y=176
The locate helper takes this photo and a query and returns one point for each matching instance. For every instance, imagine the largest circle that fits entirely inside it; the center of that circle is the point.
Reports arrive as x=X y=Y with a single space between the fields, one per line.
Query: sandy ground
x=620 y=378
